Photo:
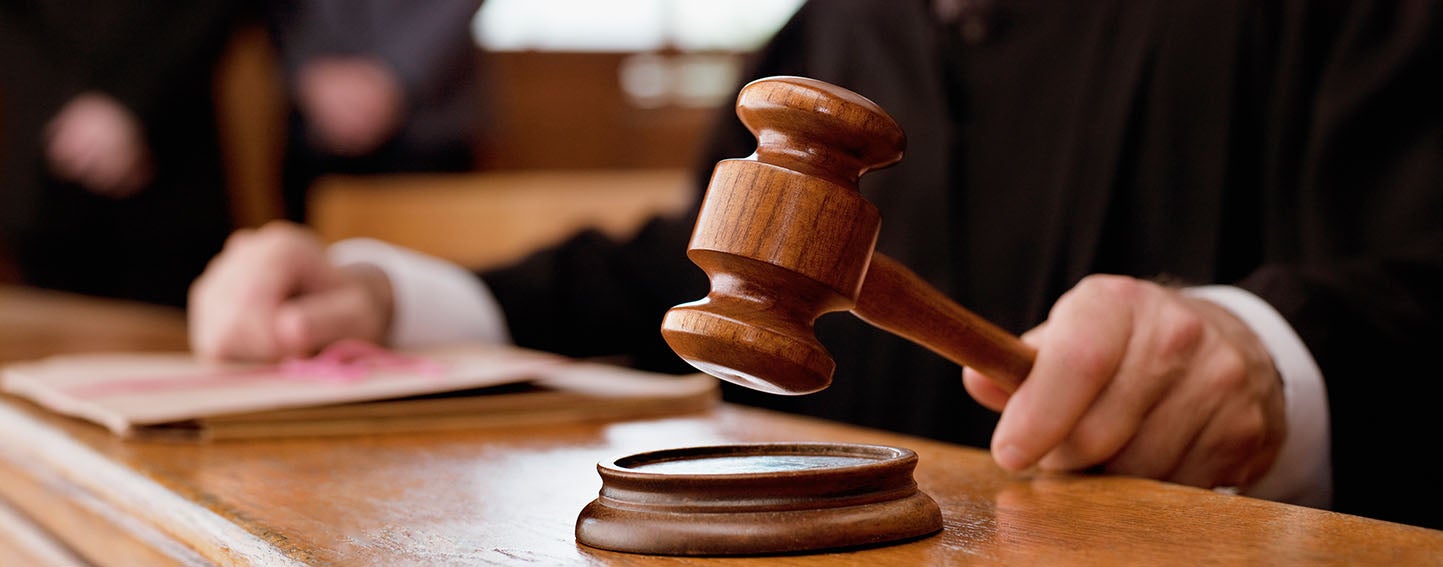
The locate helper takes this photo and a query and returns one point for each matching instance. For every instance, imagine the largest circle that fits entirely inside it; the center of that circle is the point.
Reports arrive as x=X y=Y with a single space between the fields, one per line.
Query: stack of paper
x=350 y=388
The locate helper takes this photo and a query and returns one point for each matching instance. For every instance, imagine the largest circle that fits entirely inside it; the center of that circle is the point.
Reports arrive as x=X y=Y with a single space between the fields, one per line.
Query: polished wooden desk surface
x=502 y=496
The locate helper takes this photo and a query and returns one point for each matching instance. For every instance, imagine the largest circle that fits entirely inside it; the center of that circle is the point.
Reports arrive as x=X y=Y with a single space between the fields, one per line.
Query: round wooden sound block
x=757 y=499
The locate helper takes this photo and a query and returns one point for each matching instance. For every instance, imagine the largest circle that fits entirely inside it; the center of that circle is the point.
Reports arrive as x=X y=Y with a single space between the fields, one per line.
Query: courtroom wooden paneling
x=250 y=108
x=544 y=111
x=550 y=110
x=490 y=218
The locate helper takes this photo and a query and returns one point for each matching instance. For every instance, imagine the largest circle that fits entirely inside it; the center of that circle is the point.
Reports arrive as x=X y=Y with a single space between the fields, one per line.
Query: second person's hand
x=273 y=293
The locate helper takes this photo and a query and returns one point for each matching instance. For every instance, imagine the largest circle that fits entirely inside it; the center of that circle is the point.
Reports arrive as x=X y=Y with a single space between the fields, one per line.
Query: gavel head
x=784 y=235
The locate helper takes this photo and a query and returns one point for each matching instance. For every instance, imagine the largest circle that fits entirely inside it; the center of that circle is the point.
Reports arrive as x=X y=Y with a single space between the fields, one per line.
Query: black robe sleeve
x=1356 y=225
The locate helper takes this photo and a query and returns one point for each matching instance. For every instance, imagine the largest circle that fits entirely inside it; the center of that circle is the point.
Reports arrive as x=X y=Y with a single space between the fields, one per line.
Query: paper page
x=120 y=390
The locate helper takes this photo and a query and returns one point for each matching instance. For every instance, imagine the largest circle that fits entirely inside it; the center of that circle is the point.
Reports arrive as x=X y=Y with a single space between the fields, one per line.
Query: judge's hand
x=272 y=293
x=98 y=143
x=354 y=104
x=1143 y=381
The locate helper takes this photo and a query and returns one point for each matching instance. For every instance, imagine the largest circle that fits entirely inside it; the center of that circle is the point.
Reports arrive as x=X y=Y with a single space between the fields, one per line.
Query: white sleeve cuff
x=436 y=302
x=1302 y=473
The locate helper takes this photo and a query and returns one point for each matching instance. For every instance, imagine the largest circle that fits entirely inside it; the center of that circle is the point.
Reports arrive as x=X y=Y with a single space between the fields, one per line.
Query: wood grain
x=896 y=299
x=511 y=496
x=22 y=542
x=785 y=236
x=757 y=498
x=251 y=118
x=83 y=528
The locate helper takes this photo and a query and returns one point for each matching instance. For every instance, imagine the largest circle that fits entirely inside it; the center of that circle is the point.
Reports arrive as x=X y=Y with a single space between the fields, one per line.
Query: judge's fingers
x=1236 y=448
x=1194 y=438
x=1224 y=421
x=1167 y=335
x=984 y=389
x=1166 y=434
x=1088 y=332
x=1242 y=440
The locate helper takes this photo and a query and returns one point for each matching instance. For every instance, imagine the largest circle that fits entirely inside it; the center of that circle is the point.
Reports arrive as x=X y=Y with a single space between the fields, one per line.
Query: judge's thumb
x=306 y=324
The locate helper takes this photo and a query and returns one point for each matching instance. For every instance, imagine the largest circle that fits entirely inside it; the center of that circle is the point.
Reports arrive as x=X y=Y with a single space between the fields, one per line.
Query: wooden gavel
x=785 y=236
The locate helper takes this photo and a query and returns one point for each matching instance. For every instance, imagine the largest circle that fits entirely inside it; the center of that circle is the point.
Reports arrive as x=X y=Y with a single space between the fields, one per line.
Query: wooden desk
x=508 y=496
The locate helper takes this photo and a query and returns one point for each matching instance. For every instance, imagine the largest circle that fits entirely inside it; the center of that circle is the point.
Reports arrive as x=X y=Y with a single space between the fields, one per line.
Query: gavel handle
x=897 y=300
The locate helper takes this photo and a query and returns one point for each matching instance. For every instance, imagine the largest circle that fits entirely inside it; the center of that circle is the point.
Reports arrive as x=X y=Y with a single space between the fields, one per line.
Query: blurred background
x=586 y=113
x=475 y=131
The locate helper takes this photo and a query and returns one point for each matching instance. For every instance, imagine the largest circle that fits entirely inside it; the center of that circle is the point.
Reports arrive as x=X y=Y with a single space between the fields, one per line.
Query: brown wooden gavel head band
x=785 y=236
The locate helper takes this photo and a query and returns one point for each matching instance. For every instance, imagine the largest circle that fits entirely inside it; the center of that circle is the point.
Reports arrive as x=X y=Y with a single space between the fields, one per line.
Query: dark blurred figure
x=376 y=86
x=111 y=180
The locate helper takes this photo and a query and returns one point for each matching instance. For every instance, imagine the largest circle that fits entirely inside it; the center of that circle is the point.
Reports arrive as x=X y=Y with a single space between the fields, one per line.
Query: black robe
x=1293 y=148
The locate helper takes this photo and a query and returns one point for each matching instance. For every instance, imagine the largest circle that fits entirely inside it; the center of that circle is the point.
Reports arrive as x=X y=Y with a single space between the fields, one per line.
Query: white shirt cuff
x=436 y=302
x=1302 y=473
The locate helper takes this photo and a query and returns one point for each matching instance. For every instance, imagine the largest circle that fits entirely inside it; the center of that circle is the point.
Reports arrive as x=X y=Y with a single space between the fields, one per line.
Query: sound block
x=757 y=499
